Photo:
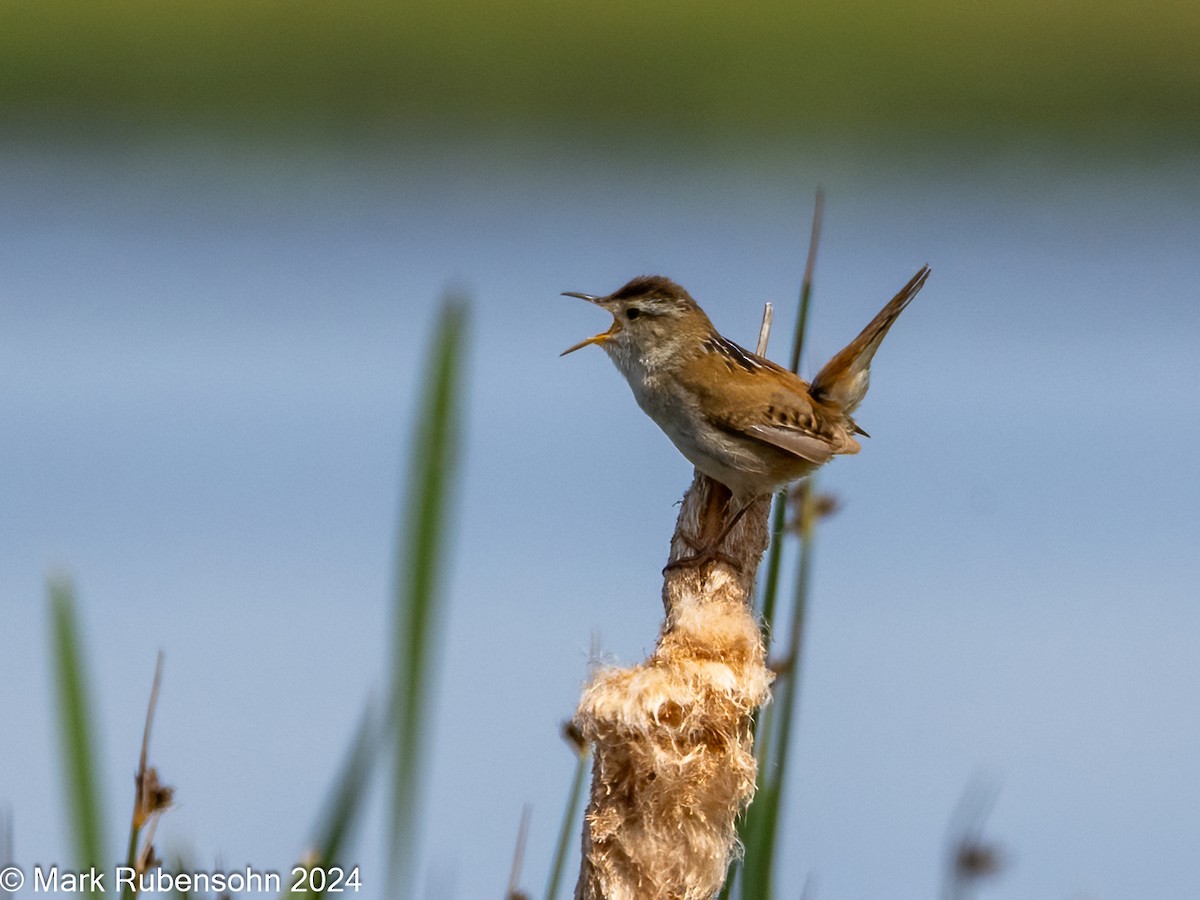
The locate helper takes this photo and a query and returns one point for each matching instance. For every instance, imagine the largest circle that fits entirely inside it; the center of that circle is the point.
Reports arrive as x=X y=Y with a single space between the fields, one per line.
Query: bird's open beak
x=596 y=338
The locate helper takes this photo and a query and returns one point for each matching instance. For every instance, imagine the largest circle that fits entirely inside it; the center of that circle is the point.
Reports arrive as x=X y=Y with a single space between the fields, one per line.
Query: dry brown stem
x=674 y=761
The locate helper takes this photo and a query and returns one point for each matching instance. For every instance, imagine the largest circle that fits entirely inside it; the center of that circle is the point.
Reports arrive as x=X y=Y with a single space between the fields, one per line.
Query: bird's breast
x=731 y=459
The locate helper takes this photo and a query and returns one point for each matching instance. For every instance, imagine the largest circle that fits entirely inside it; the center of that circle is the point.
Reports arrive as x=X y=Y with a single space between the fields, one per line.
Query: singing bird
x=739 y=418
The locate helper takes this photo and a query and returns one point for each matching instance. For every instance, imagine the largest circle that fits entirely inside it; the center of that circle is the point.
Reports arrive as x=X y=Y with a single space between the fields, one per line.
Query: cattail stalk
x=673 y=749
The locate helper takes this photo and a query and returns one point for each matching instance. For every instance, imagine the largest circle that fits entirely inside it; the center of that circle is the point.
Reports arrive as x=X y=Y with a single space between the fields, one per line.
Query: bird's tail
x=844 y=379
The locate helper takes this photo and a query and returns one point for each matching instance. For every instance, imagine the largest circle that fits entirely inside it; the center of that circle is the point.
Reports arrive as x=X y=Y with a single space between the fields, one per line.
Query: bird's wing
x=785 y=419
x=761 y=401
x=799 y=443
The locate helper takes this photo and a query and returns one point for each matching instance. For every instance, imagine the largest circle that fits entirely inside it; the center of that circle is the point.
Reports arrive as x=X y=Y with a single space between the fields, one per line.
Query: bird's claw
x=704 y=555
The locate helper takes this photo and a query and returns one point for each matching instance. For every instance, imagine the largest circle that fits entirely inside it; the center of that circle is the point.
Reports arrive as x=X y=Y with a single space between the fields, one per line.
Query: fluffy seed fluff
x=673 y=753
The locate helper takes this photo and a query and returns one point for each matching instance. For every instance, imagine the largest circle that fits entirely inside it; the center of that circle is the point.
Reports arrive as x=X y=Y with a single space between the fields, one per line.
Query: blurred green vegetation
x=609 y=67
x=76 y=716
x=402 y=729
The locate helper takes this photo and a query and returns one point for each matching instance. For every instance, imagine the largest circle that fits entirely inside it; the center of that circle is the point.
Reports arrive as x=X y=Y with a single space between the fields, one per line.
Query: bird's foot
x=711 y=551
x=705 y=556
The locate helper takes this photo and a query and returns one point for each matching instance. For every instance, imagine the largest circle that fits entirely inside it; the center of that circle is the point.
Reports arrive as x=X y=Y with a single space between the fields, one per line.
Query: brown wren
x=739 y=418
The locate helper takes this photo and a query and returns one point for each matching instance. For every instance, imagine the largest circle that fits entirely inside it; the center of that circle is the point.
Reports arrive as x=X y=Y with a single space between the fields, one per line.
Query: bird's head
x=653 y=319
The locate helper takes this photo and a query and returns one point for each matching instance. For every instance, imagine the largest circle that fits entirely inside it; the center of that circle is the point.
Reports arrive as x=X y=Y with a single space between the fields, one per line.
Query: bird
x=744 y=421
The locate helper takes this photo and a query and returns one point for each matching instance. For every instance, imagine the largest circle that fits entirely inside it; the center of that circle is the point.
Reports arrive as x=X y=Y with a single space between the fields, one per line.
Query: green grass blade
x=760 y=728
x=789 y=698
x=419 y=556
x=182 y=865
x=756 y=871
x=75 y=725
x=774 y=558
x=346 y=803
x=810 y=265
x=570 y=817
x=762 y=820
x=779 y=511
x=131 y=852
x=759 y=829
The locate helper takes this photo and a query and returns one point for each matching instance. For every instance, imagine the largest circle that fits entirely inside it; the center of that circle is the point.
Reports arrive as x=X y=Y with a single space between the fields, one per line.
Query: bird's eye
x=632 y=313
